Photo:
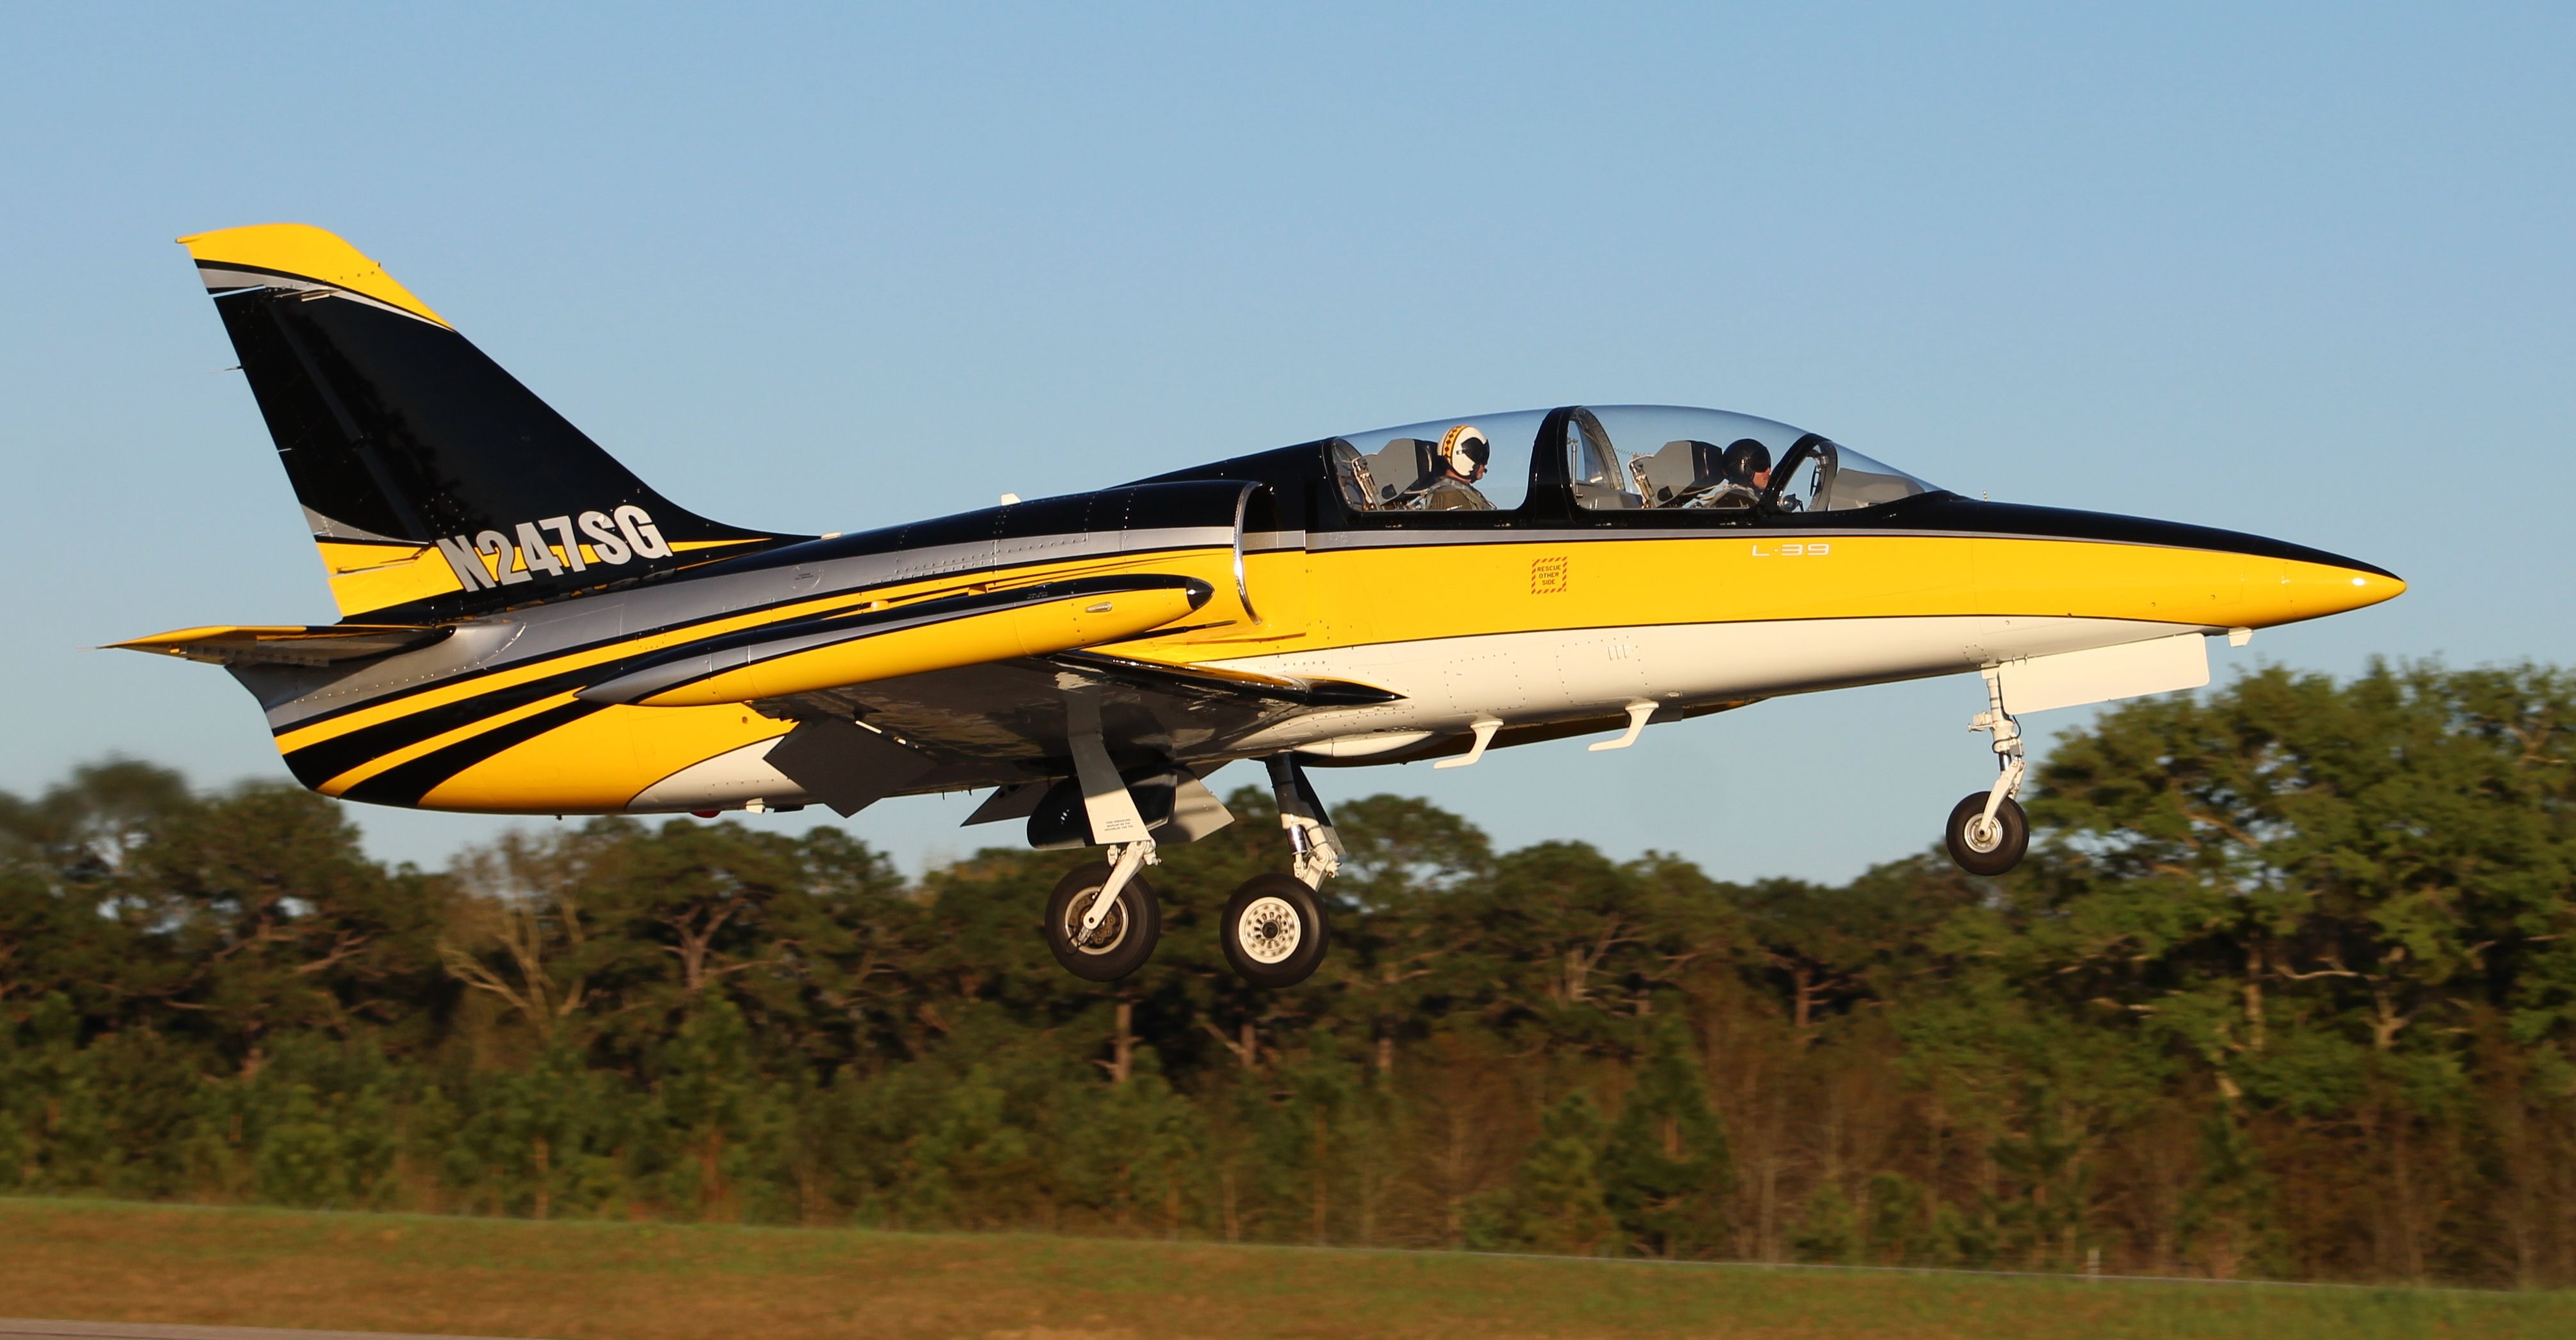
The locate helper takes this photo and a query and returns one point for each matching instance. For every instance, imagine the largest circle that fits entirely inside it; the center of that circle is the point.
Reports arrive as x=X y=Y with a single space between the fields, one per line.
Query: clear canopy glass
x=1479 y=462
x=1662 y=457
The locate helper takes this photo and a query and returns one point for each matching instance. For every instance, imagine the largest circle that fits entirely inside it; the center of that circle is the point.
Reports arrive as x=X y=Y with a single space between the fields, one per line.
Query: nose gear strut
x=1987 y=834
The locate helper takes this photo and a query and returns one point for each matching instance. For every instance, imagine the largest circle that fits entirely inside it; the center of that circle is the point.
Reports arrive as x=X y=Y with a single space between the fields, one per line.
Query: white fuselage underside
x=1536 y=678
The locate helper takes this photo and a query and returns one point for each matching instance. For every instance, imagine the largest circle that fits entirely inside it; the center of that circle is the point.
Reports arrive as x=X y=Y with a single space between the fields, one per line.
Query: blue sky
x=2306 y=273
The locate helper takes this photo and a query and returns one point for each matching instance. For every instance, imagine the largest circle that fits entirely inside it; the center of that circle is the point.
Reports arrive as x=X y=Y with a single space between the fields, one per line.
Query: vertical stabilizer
x=436 y=486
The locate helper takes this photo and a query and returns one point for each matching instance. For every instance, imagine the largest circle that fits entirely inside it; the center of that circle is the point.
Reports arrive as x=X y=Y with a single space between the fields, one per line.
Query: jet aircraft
x=528 y=628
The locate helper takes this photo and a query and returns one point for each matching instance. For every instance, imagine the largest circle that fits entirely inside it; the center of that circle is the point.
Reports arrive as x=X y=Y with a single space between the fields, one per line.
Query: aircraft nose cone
x=2304 y=590
x=2330 y=590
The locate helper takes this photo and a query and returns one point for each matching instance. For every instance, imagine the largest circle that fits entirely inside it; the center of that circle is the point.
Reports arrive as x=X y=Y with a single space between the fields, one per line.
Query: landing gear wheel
x=1988 y=848
x=1122 y=941
x=1274 y=931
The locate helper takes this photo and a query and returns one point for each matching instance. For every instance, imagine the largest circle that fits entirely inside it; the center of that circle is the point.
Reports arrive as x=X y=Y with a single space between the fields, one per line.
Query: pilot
x=1464 y=454
x=1746 y=471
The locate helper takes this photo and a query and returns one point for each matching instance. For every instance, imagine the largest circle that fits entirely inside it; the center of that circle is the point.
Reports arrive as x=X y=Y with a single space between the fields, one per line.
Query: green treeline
x=2287 y=988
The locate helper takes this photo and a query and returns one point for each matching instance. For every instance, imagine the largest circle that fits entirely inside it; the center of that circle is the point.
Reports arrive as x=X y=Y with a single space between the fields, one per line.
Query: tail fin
x=437 y=486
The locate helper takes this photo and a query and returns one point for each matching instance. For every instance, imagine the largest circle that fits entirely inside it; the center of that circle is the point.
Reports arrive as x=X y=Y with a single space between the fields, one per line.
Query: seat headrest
x=1707 y=462
x=1684 y=469
x=1403 y=467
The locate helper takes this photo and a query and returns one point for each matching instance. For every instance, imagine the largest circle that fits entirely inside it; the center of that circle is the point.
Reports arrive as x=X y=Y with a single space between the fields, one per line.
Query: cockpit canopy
x=1615 y=458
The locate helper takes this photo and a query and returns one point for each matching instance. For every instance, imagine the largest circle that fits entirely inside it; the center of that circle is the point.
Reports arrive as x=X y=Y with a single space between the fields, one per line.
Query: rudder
x=436 y=485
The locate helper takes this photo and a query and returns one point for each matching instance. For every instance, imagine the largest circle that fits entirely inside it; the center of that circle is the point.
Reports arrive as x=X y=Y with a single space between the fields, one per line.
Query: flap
x=1001 y=722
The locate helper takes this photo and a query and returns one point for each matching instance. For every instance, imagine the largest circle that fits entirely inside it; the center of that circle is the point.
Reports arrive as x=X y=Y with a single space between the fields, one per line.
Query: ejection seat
x=1681 y=473
x=1396 y=473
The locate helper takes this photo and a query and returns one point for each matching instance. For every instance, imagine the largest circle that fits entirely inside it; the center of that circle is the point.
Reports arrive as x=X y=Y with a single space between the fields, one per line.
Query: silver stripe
x=324 y=528
x=1243 y=593
x=551 y=629
x=221 y=280
x=1401 y=539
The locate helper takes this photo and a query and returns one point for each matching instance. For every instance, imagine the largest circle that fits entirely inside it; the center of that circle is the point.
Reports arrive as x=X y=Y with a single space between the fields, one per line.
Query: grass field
x=102 y=1261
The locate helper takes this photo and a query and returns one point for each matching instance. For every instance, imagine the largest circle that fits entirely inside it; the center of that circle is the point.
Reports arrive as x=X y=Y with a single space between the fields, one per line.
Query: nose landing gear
x=1988 y=832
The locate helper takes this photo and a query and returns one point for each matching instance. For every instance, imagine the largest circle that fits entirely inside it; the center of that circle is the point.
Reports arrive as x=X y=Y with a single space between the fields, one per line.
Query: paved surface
x=24 y=1329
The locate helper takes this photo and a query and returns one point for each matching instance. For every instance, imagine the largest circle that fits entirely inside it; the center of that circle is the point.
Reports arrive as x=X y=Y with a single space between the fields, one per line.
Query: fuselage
x=1550 y=618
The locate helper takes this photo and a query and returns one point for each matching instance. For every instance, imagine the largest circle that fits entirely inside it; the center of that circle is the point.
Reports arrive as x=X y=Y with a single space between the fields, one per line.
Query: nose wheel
x=1985 y=844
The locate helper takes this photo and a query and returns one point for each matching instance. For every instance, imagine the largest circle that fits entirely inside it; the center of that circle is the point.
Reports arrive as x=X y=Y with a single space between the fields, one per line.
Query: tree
x=1556 y=1203
x=715 y=1095
x=278 y=922
x=1665 y=1173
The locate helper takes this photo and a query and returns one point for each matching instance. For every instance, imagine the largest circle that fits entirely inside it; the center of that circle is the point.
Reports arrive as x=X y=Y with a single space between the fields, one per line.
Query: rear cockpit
x=1480 y=463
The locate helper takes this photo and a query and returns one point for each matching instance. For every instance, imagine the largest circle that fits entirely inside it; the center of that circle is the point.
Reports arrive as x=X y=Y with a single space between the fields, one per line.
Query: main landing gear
x=1102 y=920
x=1274 y=931
x=1987 y=832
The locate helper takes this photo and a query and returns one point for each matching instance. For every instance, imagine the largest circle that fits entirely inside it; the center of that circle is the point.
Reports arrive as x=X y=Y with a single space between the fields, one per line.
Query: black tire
x=1121 y=942
x=2004 y=849
x=1274 y=931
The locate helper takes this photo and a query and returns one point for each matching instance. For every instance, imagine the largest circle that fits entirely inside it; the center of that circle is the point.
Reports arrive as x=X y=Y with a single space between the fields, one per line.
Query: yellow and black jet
x=528 y=628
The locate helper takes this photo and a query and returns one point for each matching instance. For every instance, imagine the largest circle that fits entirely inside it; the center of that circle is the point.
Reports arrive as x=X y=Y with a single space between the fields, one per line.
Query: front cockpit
x=1671 y=457
x=1608 y=459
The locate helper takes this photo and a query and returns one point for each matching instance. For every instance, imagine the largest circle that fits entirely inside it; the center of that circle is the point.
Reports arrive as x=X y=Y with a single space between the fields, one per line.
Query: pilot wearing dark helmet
x=1746 y=471
x=1464 y=454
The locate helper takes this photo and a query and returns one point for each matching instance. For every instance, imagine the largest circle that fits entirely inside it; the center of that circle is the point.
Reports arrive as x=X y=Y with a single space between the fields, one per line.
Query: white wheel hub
x=1984 y=834
x=1269 y=930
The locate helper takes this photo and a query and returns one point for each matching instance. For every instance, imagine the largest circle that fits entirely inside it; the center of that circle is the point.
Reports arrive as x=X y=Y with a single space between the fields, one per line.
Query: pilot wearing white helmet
x=1464 y=453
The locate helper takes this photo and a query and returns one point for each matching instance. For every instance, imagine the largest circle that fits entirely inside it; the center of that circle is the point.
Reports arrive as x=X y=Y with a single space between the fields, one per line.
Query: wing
x=1004 y=722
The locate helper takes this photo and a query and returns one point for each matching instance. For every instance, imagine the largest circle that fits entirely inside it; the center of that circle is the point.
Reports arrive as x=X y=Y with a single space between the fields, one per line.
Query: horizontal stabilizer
x=292 y=644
